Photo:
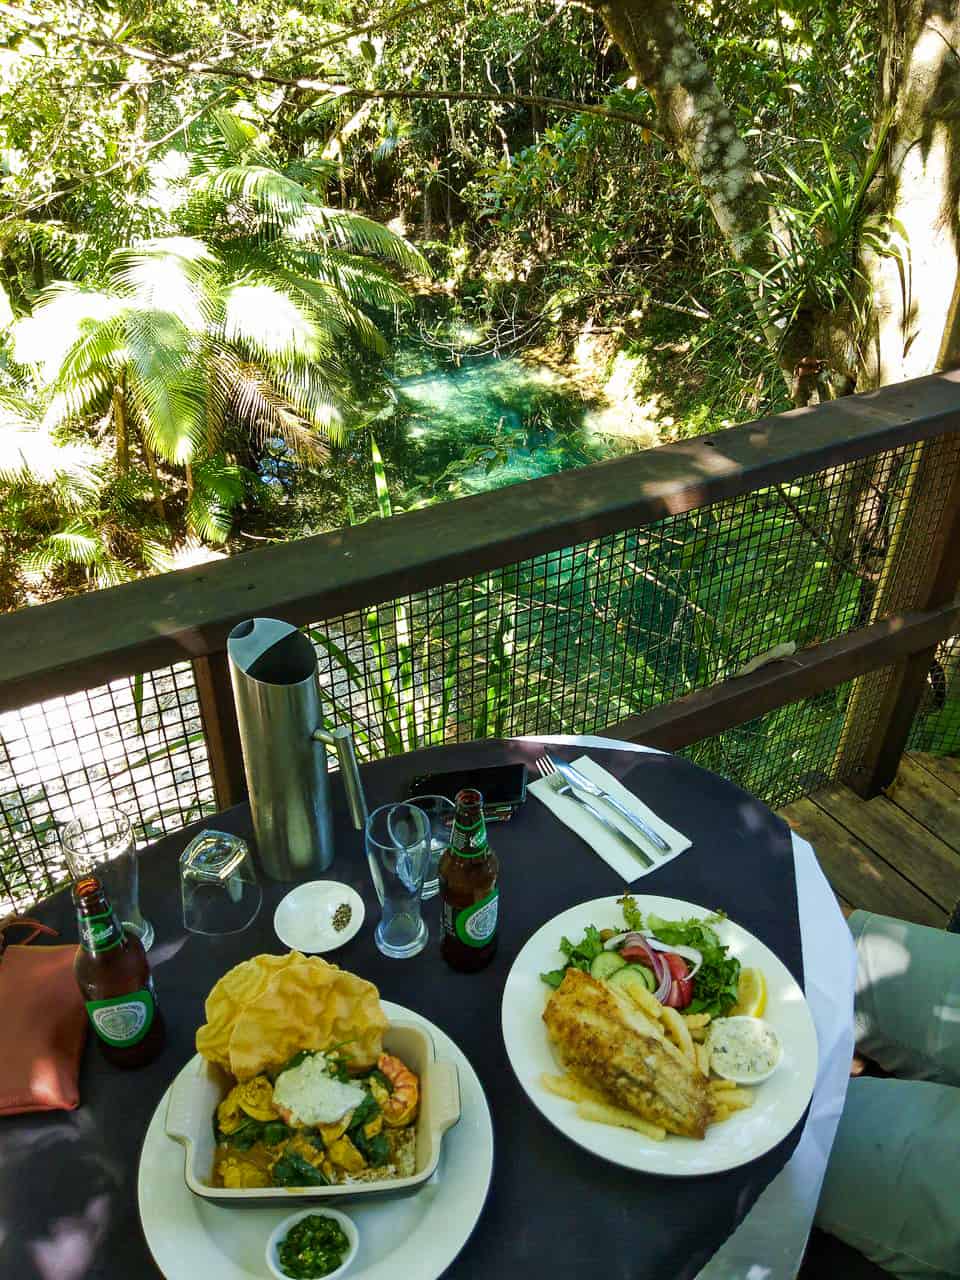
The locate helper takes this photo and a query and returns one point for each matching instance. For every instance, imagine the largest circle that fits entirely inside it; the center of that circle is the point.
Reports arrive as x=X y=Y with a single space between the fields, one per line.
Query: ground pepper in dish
x=342 y=916
x=313 y=1247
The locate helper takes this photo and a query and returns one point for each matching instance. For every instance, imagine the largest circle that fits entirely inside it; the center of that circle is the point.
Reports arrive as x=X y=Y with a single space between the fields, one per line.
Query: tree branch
x=521 y=99
x=195 y=66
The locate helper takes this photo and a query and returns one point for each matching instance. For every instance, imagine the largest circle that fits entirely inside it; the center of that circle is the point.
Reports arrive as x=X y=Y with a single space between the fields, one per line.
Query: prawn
x=401 y=1106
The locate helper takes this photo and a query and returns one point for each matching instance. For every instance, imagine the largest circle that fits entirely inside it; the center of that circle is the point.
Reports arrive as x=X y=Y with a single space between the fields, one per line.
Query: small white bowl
x=304 y=919
x=753 y=1027
x=279 y=1233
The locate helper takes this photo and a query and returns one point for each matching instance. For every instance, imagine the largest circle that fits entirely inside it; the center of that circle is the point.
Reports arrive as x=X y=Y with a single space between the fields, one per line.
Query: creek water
x=488 y=423
x=447 y=427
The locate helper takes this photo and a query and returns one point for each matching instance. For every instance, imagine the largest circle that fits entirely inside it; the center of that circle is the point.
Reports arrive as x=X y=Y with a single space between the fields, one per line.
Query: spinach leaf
x=244 y=1137
x=367 y=1110
x=276 y=1132
x=292 y=1170
x=376 y=1150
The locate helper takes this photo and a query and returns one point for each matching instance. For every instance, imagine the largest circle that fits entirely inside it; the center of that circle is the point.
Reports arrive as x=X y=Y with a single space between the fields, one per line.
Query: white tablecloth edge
x=770 y=1242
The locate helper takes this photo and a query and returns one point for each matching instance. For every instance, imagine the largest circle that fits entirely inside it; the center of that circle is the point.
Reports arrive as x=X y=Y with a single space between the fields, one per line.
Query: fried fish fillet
x=603 y=1038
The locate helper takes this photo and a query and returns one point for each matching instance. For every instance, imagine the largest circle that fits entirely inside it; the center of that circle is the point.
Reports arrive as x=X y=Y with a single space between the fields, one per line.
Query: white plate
x=414 y=1237
x=778 y=1104
x=304 y=919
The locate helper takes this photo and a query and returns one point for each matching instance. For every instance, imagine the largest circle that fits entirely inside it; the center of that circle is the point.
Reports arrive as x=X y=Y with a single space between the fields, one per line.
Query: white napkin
x=602 y=841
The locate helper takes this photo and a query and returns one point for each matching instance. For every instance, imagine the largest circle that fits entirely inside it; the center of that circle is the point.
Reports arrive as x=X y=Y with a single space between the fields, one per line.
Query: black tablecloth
x=68 y=1206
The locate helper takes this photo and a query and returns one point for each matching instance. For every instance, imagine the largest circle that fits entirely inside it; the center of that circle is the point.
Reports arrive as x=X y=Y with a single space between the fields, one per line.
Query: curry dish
x=315 y=1122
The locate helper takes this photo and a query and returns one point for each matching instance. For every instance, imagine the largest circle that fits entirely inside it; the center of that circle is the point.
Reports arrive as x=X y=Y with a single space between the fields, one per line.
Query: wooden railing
x=88 y=640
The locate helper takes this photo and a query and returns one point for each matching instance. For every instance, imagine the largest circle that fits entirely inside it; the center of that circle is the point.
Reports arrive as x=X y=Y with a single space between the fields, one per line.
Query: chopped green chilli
x=313 y=1247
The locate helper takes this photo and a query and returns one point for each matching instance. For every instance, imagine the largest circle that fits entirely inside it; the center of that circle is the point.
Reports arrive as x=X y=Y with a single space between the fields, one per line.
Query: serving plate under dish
x=778 y=1103
x=415 y=1237
x=201 y=1086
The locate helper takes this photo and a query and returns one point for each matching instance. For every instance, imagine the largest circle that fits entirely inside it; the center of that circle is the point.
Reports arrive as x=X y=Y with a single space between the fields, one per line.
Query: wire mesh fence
x=135 y=743
x=936 y=726
x=571 y=641
x=578 y=639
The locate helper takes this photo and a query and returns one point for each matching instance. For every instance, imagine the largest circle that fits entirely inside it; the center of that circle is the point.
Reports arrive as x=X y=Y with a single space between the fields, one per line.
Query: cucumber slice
x=632 y=976
x=606 y=964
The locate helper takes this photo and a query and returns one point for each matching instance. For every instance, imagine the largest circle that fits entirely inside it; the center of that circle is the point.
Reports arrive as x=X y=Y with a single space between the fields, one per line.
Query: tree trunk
x=699 y=125
x=915 y=326
x=120 y=425
x=158 y=506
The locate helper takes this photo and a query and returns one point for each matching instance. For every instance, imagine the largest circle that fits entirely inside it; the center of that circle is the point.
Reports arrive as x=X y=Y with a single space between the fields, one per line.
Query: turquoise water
x=446 y=428
x=485 y=424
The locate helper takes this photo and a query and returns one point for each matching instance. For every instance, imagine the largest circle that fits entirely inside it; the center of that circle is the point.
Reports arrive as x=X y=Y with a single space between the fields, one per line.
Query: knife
x=628 y=842
x=581 y=782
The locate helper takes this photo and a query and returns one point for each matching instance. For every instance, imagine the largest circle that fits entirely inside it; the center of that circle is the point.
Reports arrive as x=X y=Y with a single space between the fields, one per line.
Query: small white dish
x=279 y=1233
x=749 y=1035
x=304 y=919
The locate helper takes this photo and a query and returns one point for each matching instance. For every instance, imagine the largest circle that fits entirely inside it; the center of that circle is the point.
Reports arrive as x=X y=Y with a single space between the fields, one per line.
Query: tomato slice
x=681 y=991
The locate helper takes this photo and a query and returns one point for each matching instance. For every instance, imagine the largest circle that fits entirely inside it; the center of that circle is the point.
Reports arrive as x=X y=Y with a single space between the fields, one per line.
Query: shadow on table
x=54 y=1166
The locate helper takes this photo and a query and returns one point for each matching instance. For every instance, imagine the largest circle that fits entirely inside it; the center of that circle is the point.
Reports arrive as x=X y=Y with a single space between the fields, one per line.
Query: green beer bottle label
x=100 y=933
x=475 y=925
x=469 y=840
x=123 y=1021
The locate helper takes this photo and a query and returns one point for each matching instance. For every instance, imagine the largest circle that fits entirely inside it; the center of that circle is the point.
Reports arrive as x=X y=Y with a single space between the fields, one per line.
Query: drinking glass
x=398 y=847
x=441 y=812
x=100 y=842
x=219 y=891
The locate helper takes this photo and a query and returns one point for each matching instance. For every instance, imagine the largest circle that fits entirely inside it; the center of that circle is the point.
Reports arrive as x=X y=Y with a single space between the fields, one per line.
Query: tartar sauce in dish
x=743 y=1049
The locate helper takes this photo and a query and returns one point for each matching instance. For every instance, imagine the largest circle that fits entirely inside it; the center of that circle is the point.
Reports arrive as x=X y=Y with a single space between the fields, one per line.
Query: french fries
x=696 y=1021
x=602 y=1113
x=676 y=1030
x=647 y=1001
x=570 y=1088
x=697 y=1024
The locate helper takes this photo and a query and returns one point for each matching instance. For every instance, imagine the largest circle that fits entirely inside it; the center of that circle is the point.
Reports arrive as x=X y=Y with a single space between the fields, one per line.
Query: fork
x=580 y=782
x=555 y=782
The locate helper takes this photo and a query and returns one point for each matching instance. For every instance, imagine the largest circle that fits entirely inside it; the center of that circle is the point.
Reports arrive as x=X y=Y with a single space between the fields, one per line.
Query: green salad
x=313 y=1247
x=682 y=962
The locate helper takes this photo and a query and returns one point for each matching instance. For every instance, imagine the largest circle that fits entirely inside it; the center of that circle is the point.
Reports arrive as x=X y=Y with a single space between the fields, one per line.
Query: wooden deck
x=899 y=853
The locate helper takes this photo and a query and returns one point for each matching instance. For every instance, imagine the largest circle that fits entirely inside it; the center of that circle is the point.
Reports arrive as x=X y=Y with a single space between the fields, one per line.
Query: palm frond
x=78 y=397
x=345 y=229
x=262 y=318
x=219 y=487
x=172 y=275
x=166 y=384
x=364 y=282
x=59 y=319
x=262 y=409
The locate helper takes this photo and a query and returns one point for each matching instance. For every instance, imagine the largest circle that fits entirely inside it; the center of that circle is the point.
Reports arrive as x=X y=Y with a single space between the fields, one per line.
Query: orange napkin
x=44 y=1026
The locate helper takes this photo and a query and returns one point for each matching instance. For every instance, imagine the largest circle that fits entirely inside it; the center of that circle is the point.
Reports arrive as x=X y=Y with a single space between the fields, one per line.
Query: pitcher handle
x=341 y=740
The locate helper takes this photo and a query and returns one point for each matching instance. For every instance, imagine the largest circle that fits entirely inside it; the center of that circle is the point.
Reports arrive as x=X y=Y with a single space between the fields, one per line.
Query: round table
x=68 y=1180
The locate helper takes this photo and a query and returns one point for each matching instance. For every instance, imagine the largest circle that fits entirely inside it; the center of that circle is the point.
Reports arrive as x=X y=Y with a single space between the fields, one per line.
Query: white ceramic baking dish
x=200 y=1086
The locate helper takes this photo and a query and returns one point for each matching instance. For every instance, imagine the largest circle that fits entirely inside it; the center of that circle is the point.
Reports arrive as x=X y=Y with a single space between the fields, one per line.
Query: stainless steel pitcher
x=273 y=669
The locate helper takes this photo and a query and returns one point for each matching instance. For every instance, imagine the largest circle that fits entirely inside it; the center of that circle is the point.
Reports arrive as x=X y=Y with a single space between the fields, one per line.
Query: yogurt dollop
x=312 y=1095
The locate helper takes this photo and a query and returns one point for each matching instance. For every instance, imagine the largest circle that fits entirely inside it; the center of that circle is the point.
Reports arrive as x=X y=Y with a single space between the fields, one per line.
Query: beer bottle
x=114 y=978
x=469 y=894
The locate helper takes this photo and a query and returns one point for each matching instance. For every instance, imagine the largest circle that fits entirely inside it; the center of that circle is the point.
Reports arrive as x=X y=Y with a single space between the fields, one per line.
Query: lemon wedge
x=751 y=994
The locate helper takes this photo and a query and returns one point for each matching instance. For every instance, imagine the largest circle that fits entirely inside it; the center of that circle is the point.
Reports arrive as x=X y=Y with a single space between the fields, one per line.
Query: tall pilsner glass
x=100 y=842
x=398 y=849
